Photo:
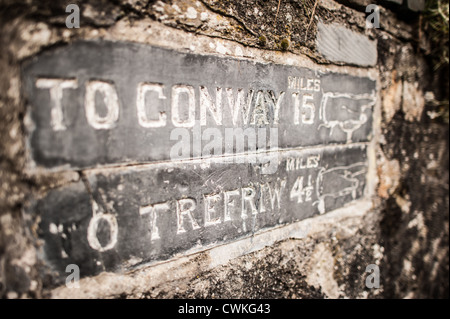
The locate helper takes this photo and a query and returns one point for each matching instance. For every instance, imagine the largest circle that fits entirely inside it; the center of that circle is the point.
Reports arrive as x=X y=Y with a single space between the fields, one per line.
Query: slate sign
x=97 y=103
x=181 y=152
x=150 y=213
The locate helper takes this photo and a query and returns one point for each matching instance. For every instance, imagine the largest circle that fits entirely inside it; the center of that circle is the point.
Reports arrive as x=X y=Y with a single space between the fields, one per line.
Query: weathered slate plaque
x=225 y=148
x=107 y=103
x=116 y=219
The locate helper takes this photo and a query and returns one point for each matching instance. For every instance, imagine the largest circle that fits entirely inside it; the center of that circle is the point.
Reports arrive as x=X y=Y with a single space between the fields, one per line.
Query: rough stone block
x=416 y=5
x=339 y=44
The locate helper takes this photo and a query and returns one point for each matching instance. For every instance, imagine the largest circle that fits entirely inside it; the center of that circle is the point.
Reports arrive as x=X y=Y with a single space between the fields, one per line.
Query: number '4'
x=300 y=191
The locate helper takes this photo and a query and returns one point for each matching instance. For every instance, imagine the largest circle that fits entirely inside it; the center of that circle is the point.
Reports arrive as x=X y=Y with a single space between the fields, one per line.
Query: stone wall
x=401 y=223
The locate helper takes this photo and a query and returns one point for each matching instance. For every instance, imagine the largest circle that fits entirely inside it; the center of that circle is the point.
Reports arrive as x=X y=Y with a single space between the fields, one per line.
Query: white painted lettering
x=176 y=116
x=92 y=238
x=229 y=204
x=56 y=87
x=110 y=100
x=211 y=217
x=153 y=210
x=248 y=201
x=238 y=104
x=142 y=90
x=214 y=108
x=277 y=105
x=185 y=207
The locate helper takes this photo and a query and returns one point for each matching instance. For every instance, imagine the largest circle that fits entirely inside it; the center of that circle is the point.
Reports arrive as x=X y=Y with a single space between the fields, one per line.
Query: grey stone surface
x=339 y=44
x=358 y=4
x=395 y=1
x=122 y=218
x=416 y=5
x=90 y=130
